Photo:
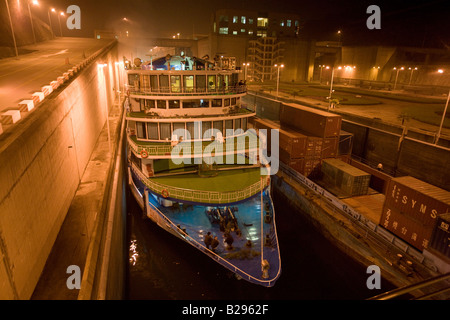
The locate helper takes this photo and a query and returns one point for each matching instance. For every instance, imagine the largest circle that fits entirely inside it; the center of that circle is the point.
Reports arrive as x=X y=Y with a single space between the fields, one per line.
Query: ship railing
x=186 y=91
x=202 y=196
x=372 y=229
x=159 y=149
x=201 y=247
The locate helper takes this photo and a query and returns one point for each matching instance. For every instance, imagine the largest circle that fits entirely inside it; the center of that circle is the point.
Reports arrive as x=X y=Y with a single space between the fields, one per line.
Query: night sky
x=416 y=23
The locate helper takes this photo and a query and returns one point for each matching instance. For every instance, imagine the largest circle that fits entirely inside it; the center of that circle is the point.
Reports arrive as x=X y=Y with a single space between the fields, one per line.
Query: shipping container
x=440 y=239
x=289 y=140
x=348 y=179
x=345 y=143
x=407 y=229
x=315 y=122
x=418 y=199
x=329 y=147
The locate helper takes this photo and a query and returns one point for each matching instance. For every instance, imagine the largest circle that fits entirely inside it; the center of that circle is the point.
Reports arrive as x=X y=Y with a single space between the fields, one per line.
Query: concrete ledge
x=47 y=90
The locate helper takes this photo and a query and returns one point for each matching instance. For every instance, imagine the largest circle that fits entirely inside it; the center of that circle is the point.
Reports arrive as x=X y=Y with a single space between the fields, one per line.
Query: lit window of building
x=250 y=21
x=288 y=23
x=243 y=19
x=242 y=30
x=296 y=23
x=282 y=23
x=250 y=32
x=235 y=32
x=262 y=22
x=235 y=19
x=223 y=30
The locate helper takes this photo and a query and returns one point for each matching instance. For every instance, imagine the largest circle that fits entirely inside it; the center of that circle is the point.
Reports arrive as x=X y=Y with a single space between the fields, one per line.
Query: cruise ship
x=194 y=165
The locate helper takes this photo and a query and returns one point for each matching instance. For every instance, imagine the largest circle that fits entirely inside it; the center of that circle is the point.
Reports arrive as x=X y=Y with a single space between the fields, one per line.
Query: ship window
x=191 y=128
x=233 y=101
x=165 y=132
x=161 y=104
x=200 y=83
x=237 y=124
x=140 y=130
x=164 y=83
x=175 y=83
x=154 y=83
x=152 y=131
x=220 y=82
x=181 y=130
x=145 y=82
x=188 y=83
x=226 y=102
x=229 y=128
x=191 y=104
x=206 y=125
x=218 y=125
x=204 y=103
x=244 y=124
x=211 y=83
x=217 y=102
x=133 y=79
x=174 y=104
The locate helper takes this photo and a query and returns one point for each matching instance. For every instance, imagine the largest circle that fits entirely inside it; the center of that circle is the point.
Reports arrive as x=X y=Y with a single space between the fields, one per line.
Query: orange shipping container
x=407 y=229
x=417 y=199
x=315 y=122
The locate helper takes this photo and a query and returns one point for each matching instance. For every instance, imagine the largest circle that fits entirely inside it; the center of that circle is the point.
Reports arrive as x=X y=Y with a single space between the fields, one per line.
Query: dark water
x=312 y=267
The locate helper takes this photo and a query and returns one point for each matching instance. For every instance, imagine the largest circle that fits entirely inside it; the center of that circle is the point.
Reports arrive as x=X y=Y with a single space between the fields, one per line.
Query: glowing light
x=53 y=10
x=440 y=71
x=35 y=2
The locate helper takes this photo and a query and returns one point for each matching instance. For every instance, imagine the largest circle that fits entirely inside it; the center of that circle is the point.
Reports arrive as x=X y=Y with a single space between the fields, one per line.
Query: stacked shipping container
x=350 y=181
x=412 y=208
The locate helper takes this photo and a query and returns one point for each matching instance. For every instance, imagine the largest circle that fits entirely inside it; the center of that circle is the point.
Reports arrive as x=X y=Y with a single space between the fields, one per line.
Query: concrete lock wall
x=42 y=162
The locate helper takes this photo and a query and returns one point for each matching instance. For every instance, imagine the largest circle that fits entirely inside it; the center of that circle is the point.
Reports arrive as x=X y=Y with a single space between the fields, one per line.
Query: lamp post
x=438 y=134
x=50 y=21
x=35 y=2
x=12 y=29
x=396 y=76
x=412 y=70
x=278 y=75
x=245 y=69
x=331 y=88
x=59 y=21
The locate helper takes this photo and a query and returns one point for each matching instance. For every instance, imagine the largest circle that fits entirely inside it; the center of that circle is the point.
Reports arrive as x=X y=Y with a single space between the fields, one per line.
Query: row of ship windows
x=163 y=131
x=145 y=104
x=177 y=82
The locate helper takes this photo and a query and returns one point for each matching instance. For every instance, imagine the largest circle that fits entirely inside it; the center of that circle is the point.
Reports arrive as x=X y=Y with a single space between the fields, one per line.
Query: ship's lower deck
x=250 y=223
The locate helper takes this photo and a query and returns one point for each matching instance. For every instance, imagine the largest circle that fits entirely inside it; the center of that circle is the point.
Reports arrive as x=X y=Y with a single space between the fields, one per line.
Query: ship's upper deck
x=184 y=76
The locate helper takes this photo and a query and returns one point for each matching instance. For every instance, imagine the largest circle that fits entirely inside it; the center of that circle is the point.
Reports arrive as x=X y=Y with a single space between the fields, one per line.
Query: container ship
x=193 y=166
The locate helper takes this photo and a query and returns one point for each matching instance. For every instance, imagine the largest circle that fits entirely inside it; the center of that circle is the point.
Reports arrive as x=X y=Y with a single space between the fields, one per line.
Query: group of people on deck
x=212 y=242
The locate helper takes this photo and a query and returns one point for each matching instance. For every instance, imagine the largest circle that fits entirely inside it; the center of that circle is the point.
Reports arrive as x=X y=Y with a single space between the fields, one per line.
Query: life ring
x=165 y=193
x=144 y=153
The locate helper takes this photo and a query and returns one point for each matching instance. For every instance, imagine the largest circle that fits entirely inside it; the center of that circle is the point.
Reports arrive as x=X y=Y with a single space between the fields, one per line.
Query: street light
x=36 y=3
x=278 y=75
x=412 y=70
x=245 y=69
x=12 y=29
x=59 y=20
x=396 y=76
x=331 y=87
x=438 y=134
